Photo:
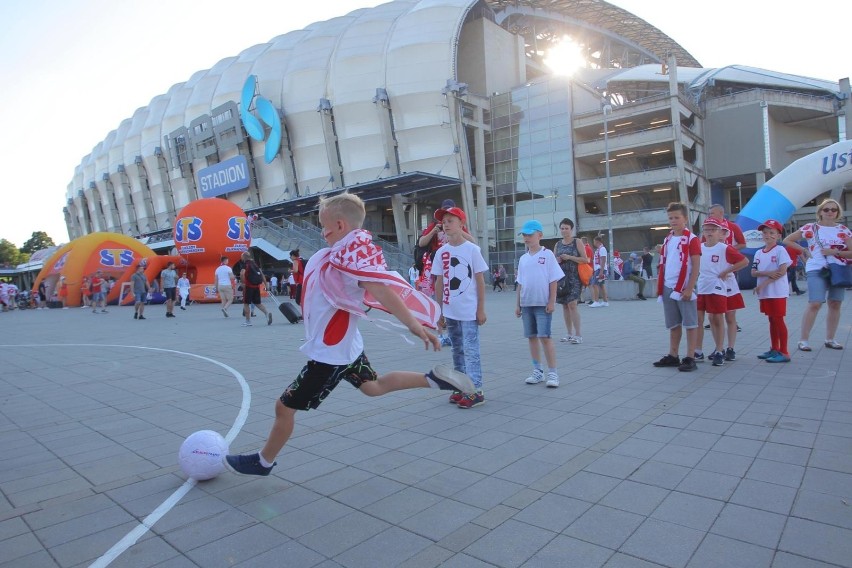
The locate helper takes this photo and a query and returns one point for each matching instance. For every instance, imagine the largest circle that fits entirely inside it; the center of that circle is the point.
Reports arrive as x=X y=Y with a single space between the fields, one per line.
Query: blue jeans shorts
x=818 y=288
x=536 y=321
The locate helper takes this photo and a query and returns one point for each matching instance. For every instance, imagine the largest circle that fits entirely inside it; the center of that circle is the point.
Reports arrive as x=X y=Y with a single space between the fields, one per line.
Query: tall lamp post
x=606 y=110
x=740 y=194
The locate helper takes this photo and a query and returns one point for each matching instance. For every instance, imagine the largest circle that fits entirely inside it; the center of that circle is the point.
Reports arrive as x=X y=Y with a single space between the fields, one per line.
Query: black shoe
x=141 y=317
x=135 y=315
x=641 y=297
x=182 y=308
x=668 y=361
x=698 y=355
x=688 y=364
x=799 y=292
x=739 y=329
x=717 y=358
x=448 y=378
x=247 y=465
x=707 y=326
x=730 y=354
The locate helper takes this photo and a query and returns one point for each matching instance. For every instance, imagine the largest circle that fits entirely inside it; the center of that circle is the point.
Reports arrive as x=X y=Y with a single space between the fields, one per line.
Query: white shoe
x=456 y=379
x=577 y=340
x=536 y=377
x=605 y=304
x=552 y=380
x=596 y=305
x=568 y=339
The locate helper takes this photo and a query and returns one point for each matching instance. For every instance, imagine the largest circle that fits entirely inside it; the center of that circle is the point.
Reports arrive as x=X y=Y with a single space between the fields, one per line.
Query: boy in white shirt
x=600 y=262
x=338 y=281
x=459 y=270
x=538 y=276
x=680 y=257
x=770 y=268
x=719 y=262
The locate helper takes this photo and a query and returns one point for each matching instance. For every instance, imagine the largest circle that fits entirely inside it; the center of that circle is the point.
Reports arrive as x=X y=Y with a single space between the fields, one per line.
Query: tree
x=9 y=253
x=39 y=240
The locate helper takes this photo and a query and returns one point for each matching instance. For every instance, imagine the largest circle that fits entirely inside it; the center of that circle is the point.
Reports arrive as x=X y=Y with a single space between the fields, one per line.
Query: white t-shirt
x=458 y=267
x=600 y=253
x=829 y=237
x=535 y=273
x=223 y=275
x=772 y=260
x=183 y=283
x=273 y=282
x=331 y=334
x=674 y=260
x=715 y=259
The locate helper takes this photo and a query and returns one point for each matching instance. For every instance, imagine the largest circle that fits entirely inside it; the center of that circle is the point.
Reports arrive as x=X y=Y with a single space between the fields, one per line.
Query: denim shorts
x=679 y=312
x=597 y=280
x=818 y=288
x=536 y=321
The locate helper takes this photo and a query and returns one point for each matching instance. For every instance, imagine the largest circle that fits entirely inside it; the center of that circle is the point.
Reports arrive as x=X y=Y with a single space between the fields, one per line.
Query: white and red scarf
x=683 y=247
x=357 y=255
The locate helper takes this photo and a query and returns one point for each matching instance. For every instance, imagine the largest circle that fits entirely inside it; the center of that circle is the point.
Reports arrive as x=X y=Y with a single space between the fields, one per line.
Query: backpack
x=418 y=256
x=253 y=274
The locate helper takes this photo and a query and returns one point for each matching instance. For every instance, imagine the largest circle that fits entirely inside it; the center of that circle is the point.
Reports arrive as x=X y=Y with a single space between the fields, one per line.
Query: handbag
x=840 y=275
x=585 y=272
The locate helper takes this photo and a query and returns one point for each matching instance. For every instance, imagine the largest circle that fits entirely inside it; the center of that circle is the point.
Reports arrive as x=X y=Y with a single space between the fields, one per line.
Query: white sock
x=263 y=462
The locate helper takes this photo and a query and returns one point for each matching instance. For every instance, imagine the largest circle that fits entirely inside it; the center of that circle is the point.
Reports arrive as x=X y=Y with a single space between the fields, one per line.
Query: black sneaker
x=135 y=315
x=739 y=329
x=247 y=465
x=717 y=358
x=668 y=361
x=707 y=326
x=698 y=355
x=730 y=354
x=641 y=297
x=448 y=378
x=688 y=364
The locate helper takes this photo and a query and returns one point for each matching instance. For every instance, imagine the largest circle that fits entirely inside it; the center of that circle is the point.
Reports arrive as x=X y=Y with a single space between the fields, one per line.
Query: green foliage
x=39 y=240
x=9 y=253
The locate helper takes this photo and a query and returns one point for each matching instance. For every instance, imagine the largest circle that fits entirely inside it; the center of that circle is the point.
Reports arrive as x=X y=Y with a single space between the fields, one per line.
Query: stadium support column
x=150 y=222
x=453 y=92
x=677 y=135
x=401 y=222
x=127 y=192
x=166 y=182
x=112 y=204
x=479 y=182
x=332 y=151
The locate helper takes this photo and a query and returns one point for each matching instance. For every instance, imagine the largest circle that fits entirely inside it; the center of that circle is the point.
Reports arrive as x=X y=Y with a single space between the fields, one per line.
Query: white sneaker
x=552 y=380
x=605 y=304
x=577 y=340
x=596 y=305
x=569 y=339
x=536 y=377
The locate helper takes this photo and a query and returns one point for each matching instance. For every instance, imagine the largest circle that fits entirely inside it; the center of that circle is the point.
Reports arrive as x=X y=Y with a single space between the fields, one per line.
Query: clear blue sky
x=72 y=71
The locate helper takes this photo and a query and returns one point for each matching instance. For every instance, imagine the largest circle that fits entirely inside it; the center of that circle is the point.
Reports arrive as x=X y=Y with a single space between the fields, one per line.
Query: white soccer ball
x=202 y=454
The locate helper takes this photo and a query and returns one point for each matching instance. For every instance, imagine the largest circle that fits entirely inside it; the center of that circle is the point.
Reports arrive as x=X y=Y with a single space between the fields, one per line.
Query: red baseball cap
x=721 y=223
x=772 y=224
x=439 y=214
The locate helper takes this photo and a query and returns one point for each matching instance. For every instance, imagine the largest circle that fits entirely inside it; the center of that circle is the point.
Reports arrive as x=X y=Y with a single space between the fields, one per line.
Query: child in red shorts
x=770 y=268
x=718 y=261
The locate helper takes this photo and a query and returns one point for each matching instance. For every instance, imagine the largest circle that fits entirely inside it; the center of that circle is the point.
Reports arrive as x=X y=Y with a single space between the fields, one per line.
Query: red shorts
x=773 y=306
x=712 y=303
x=736 y=302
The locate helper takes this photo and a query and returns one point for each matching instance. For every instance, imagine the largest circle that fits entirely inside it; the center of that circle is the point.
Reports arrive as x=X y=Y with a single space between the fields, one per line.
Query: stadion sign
x=224 y=177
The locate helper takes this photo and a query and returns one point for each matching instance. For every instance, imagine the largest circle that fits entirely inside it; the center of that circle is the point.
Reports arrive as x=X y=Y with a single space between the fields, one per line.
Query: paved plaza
x=624 y=465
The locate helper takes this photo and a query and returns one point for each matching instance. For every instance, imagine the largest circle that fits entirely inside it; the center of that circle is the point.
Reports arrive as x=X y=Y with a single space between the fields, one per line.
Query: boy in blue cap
x=538 y=275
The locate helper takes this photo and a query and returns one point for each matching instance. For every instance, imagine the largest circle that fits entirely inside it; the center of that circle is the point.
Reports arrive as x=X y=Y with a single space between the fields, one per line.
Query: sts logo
x=239 y=229
x=188 y=229
x=60 y=264
x=116 y=257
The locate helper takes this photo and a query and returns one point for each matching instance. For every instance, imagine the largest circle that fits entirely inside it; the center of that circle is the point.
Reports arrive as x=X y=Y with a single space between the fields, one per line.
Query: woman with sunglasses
x=828 y=241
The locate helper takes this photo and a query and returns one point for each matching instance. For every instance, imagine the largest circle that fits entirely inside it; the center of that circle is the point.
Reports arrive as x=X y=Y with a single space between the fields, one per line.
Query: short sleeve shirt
x=458 y=267
x=535 y=273
x=772 y=259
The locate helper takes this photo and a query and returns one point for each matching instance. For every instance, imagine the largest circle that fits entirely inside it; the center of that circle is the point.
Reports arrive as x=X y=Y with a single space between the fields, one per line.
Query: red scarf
x=356 y=255
x=683 y=246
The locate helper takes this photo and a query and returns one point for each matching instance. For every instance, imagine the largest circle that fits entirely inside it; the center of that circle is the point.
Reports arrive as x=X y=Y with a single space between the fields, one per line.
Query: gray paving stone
x=775 y=472
x=510 y=544
x=785 y=453
x=635 y=497
x=691 y=511
x=750 y=525
x=587 y=486
x=766 y=496
x=729 y=464
x=348 y=531
x=614 y=465
x=834 y=461
x=604 y=526
x=567 y=551
x=720 y=551
x=825 y=481
x=787 y=560
x=552 y=512
x=664 y=475
x=428 y=558
x=823 y=508
x=818 y=541
x=662 y=542
x=309 y=517
x=387 y=549
x=709 y=484
x=289 y=553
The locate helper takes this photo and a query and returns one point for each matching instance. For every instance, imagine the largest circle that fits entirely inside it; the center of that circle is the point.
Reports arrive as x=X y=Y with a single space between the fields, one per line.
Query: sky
x=72 y=71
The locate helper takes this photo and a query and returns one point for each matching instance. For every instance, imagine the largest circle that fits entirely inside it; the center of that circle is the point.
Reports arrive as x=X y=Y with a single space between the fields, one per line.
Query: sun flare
x=565 y=57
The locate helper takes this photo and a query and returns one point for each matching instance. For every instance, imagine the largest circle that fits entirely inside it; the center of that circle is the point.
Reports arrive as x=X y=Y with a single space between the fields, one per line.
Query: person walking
x=600 y=265
x=168 y=281
x=98 y=287
x=570 y=253
x=226 y=283
x=828 y=242
x=140 y=291
x=253 y=281
x=297 y=275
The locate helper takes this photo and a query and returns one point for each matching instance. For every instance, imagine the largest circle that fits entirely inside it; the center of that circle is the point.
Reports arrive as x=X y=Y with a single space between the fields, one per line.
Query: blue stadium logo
x=239 y=229
x=116 y=257
x=188 y=229
x=267 y=113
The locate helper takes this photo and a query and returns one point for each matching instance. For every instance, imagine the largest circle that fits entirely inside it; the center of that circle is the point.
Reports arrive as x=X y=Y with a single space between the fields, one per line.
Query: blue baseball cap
x=531 y=227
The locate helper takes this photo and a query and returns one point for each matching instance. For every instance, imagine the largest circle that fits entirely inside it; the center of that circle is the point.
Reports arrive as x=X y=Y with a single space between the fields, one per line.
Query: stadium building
x=415 y=101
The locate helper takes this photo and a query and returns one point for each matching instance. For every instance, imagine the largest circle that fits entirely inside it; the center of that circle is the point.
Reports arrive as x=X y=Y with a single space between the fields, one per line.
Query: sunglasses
x=830 y=210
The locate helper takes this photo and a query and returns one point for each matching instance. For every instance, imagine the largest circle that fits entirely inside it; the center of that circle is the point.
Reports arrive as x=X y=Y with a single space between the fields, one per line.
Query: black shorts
x=251 y=295
x=170 y=293
x=317 y=380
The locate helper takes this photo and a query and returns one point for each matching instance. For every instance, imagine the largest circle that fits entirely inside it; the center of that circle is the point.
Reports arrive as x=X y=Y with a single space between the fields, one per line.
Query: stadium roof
x=613 y=19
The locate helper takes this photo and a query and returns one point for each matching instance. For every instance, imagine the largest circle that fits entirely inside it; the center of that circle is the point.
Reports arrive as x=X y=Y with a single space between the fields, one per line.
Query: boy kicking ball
x=770 y=268
x=335 y=282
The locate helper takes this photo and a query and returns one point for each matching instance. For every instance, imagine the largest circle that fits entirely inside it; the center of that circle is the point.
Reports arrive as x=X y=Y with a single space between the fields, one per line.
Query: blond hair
x=825 y=201
x=345 y=206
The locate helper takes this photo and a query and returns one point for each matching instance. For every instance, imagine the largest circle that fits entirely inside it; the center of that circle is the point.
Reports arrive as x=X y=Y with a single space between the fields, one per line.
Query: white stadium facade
x=415 y=101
